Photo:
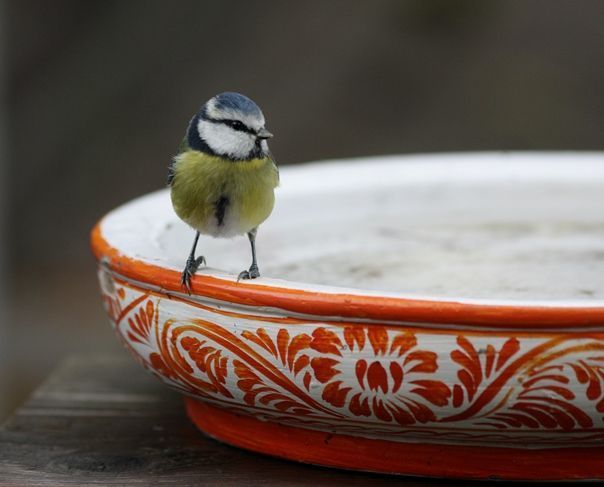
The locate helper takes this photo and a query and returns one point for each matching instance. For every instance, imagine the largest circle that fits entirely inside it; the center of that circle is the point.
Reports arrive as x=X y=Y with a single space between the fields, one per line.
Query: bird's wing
x=272 y=158
x=184 y=145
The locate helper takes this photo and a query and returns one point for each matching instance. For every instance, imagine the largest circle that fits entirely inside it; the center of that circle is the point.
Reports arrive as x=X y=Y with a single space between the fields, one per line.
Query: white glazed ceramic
x=407 y=304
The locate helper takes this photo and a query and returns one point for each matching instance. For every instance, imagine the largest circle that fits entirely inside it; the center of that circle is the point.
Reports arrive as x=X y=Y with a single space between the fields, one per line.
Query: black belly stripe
x=220 y=207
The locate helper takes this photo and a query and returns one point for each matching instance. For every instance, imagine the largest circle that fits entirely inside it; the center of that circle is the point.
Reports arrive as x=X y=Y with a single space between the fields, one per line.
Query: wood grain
x=103 y=421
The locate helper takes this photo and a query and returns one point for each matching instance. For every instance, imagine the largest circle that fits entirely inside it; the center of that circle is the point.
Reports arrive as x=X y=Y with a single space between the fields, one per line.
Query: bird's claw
x=252 y=273
x=190 y=269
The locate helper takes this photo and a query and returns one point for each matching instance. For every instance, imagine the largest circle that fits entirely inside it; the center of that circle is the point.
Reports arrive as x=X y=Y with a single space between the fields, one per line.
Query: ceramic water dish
x=437 y=315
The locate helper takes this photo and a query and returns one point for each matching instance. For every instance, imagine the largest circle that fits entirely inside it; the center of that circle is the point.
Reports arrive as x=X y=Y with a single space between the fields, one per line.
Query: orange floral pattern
x=388 y=385
x=369 y=378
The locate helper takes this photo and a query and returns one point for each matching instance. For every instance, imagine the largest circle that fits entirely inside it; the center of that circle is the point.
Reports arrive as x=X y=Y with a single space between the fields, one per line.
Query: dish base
x=381 y=456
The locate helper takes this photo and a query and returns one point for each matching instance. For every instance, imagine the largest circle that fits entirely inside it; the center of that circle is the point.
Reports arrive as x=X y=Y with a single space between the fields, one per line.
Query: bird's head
x=230 y=125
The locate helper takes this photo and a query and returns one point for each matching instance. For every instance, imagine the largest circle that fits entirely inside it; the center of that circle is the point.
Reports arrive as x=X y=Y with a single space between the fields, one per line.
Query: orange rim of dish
x=375 y=455
x=352 y=306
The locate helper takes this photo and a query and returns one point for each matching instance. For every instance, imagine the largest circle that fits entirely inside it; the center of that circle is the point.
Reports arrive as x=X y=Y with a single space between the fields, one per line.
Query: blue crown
x=237 y=101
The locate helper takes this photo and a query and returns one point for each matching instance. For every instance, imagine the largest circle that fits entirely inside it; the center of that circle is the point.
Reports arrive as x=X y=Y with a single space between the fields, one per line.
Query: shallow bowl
x=437 y=315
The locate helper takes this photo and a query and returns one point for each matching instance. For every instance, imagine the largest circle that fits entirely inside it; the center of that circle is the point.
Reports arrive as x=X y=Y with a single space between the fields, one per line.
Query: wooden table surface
x=104 y=421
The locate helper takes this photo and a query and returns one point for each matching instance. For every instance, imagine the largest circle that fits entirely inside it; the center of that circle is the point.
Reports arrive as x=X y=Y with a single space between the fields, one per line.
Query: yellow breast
x=220 y=197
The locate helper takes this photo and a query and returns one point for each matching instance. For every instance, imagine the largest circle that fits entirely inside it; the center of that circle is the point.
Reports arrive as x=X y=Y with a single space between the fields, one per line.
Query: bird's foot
x=190 y=269
x=252 y=273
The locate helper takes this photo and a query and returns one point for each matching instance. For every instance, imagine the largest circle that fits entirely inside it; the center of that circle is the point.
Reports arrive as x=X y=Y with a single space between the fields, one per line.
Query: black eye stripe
x=237 y=125
x=234 y=124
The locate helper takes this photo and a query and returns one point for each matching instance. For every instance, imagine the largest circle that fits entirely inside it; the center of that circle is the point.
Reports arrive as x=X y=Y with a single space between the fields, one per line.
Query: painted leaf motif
x=282 y=342
x=377 y=378
x=421 y=361
x=324 y=368
x=256 y=390
x=474 y=369
x=546 y=399
x=378 y=338
x=354 y=336
x=209 y=360
x=298 y=343
x=402 y=343
x=421 y=412
x=434 y=391
x=359 y=405
x=591 y=372
x=140 y=325
x=262 y=339
x=158 y=364
x=335 y=393
x=326 y=341
x=508 y=350
x=301 y=363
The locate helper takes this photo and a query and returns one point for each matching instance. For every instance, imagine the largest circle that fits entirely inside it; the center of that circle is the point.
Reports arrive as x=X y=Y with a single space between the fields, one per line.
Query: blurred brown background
x=96 y=95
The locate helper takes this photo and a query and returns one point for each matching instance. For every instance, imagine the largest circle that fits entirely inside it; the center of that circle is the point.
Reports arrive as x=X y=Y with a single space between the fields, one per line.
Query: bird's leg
x=192 y=265
x=253 y=271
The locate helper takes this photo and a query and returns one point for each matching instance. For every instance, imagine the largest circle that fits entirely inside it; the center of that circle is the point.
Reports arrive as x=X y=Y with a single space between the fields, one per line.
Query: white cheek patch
x=224 y=140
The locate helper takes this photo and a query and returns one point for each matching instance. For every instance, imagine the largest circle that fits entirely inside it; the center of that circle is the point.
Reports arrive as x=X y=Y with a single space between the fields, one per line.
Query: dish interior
x=521 y=227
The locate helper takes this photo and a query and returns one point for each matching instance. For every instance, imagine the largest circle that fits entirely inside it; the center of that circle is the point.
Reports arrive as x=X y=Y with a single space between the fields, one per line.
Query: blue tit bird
x=223 y=178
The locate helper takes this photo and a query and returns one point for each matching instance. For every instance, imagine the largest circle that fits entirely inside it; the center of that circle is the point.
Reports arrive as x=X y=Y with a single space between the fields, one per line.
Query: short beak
x=264 y=134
